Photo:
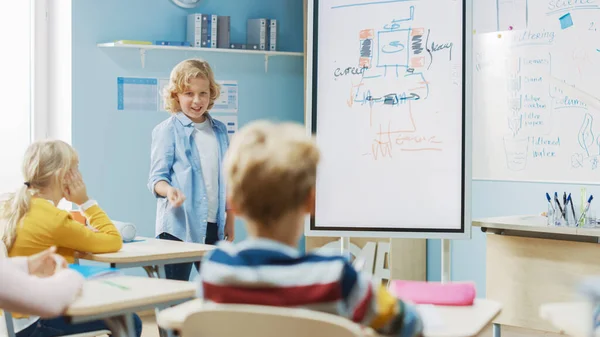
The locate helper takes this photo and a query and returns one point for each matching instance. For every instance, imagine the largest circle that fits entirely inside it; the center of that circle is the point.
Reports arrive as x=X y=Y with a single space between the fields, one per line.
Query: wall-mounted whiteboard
x=536 y=111
x=387 y=102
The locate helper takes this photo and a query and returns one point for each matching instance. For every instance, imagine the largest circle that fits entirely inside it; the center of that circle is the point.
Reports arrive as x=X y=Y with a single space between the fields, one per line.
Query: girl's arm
x=70 y=233
x=45 y=297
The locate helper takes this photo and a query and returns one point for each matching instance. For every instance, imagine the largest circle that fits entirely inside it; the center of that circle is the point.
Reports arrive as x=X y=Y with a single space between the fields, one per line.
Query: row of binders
x=213 y=31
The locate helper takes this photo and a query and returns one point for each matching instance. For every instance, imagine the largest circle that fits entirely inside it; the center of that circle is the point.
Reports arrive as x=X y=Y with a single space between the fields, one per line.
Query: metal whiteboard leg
x=445 y=260
x=344 y=245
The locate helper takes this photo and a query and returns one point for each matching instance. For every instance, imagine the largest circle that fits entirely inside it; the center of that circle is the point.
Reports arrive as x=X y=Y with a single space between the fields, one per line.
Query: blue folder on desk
x=94 y=272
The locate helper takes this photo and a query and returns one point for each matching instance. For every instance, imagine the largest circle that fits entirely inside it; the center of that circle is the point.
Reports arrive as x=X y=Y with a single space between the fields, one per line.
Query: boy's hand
x=74 y=188
x=230 y=227
x=175 y=197
x=46 y=263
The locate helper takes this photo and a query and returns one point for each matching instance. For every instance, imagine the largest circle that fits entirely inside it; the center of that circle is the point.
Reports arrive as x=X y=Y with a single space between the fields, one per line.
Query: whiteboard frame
x=417 y=233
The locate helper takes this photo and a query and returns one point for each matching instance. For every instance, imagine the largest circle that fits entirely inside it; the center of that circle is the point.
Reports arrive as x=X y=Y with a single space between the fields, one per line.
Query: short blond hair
x=271 y=169
x=180 y=78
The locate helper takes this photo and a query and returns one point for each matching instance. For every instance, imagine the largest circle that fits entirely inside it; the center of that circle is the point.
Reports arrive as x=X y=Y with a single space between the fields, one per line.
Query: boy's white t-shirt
x=208 y=149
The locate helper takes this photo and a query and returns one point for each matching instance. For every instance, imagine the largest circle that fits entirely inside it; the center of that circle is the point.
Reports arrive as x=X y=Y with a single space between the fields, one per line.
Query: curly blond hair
x=271 y=170
x=180 y=78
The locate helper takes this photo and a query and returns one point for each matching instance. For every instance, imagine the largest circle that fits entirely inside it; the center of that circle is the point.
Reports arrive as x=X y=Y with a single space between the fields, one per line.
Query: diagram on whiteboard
x=388 y=114
x=536 y=112
x=390 y=82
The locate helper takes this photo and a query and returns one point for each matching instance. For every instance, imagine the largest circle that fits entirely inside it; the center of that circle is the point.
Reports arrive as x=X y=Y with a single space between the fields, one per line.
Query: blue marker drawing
x=573 y=8
x=566 y=21
x=586 y=136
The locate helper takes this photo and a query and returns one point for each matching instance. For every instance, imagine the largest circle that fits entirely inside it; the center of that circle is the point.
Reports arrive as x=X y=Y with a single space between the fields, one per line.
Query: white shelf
x=145 y=47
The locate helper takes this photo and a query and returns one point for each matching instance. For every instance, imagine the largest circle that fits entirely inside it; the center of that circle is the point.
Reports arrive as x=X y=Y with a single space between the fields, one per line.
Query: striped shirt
x=266 y=272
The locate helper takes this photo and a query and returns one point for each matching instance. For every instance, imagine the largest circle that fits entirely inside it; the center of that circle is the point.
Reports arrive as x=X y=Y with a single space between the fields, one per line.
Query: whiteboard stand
x=344 y=245
x=445 y=260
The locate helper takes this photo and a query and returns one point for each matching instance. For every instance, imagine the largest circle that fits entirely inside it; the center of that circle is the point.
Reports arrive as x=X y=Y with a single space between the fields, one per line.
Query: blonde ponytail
x=12 y=210
x=45 y=164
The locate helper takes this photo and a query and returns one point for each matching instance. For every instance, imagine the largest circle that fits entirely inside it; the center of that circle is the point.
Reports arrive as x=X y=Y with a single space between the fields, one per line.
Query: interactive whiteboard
x=387 y=101
x=536 y=109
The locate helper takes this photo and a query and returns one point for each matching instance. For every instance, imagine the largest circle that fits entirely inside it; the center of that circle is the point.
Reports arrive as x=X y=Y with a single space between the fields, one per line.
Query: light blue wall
x=114 y=146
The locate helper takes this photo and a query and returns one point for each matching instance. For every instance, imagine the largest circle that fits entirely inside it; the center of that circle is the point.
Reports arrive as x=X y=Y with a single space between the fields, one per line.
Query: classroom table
x=529 y=263
x=115 y=299
x=152 y=255
x=571 y=318
x=466 y=321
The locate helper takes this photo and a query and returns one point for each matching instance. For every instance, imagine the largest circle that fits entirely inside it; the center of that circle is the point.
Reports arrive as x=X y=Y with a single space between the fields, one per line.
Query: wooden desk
x=152 y=254
x=455 y=321
x=529 y=263
x=115 y=299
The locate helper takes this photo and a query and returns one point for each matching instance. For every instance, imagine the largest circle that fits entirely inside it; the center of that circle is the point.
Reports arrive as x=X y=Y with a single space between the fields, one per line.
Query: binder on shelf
x=172 y=43
x=256 y=33
x=223 y=31
x=199 y=33
x=237 y=46
x=272 y=35
x=213 y=31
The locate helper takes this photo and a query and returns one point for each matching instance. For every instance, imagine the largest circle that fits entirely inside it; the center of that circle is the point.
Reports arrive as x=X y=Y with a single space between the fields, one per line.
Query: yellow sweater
x=46 y=225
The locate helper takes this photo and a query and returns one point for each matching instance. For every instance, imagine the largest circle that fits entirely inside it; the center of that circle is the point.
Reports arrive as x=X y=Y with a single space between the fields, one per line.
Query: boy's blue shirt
x=175 y=159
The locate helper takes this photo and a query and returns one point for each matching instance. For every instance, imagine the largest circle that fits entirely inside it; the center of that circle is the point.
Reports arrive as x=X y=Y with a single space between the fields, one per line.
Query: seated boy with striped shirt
x=271 y=174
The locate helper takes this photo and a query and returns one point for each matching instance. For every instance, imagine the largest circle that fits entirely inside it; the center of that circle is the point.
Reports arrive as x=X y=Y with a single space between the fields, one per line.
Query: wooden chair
x=6 y=324
x=234 y=320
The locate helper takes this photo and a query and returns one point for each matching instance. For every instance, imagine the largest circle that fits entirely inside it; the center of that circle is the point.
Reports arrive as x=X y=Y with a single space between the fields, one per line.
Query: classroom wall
x=114 y=146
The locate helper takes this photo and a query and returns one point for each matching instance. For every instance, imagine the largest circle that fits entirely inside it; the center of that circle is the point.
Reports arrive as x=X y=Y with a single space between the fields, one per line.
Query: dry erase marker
x=558 y=203
x=587 y=207
x=569 y=200
x=550 y=202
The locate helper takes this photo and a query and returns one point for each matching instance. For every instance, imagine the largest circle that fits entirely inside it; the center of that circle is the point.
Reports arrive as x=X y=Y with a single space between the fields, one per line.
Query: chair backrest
x=234 y=320
x=3 y=250
x=5 y=316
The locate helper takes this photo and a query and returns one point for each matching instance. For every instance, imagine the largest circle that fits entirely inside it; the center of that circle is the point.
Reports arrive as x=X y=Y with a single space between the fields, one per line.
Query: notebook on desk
x=94 y=272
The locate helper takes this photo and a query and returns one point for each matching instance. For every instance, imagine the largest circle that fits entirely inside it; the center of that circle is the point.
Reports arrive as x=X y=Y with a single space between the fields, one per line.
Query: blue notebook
x=94 y=272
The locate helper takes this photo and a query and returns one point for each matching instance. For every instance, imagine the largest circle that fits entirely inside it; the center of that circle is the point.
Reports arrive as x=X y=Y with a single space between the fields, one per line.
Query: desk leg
x=497 y=332
x=10 y=329
x=159 y=272
x=122 y=326
x=151 y=271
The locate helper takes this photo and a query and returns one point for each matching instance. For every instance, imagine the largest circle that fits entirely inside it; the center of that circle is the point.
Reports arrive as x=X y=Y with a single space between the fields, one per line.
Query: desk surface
x=532 y=223
x=148 y=249
x=452 y=321
x=114 y=294
x=570 y=317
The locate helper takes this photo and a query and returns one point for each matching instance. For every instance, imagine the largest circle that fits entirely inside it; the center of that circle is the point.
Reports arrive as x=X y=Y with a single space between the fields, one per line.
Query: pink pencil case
x=420 y=292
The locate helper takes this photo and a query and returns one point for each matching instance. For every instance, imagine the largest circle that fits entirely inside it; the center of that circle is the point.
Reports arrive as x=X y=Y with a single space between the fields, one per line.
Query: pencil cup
x=590 y=219
x=555 y=218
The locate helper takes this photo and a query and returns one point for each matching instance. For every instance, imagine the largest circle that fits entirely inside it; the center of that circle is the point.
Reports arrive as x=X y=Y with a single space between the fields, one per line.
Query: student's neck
x=282 y=231
x=54 y=196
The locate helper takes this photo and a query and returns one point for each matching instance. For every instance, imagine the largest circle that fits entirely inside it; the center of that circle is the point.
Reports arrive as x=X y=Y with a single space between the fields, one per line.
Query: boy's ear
x=309 y=204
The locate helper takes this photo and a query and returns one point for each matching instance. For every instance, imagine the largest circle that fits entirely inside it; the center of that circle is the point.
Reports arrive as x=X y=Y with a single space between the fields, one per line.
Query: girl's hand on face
x=74 y=187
